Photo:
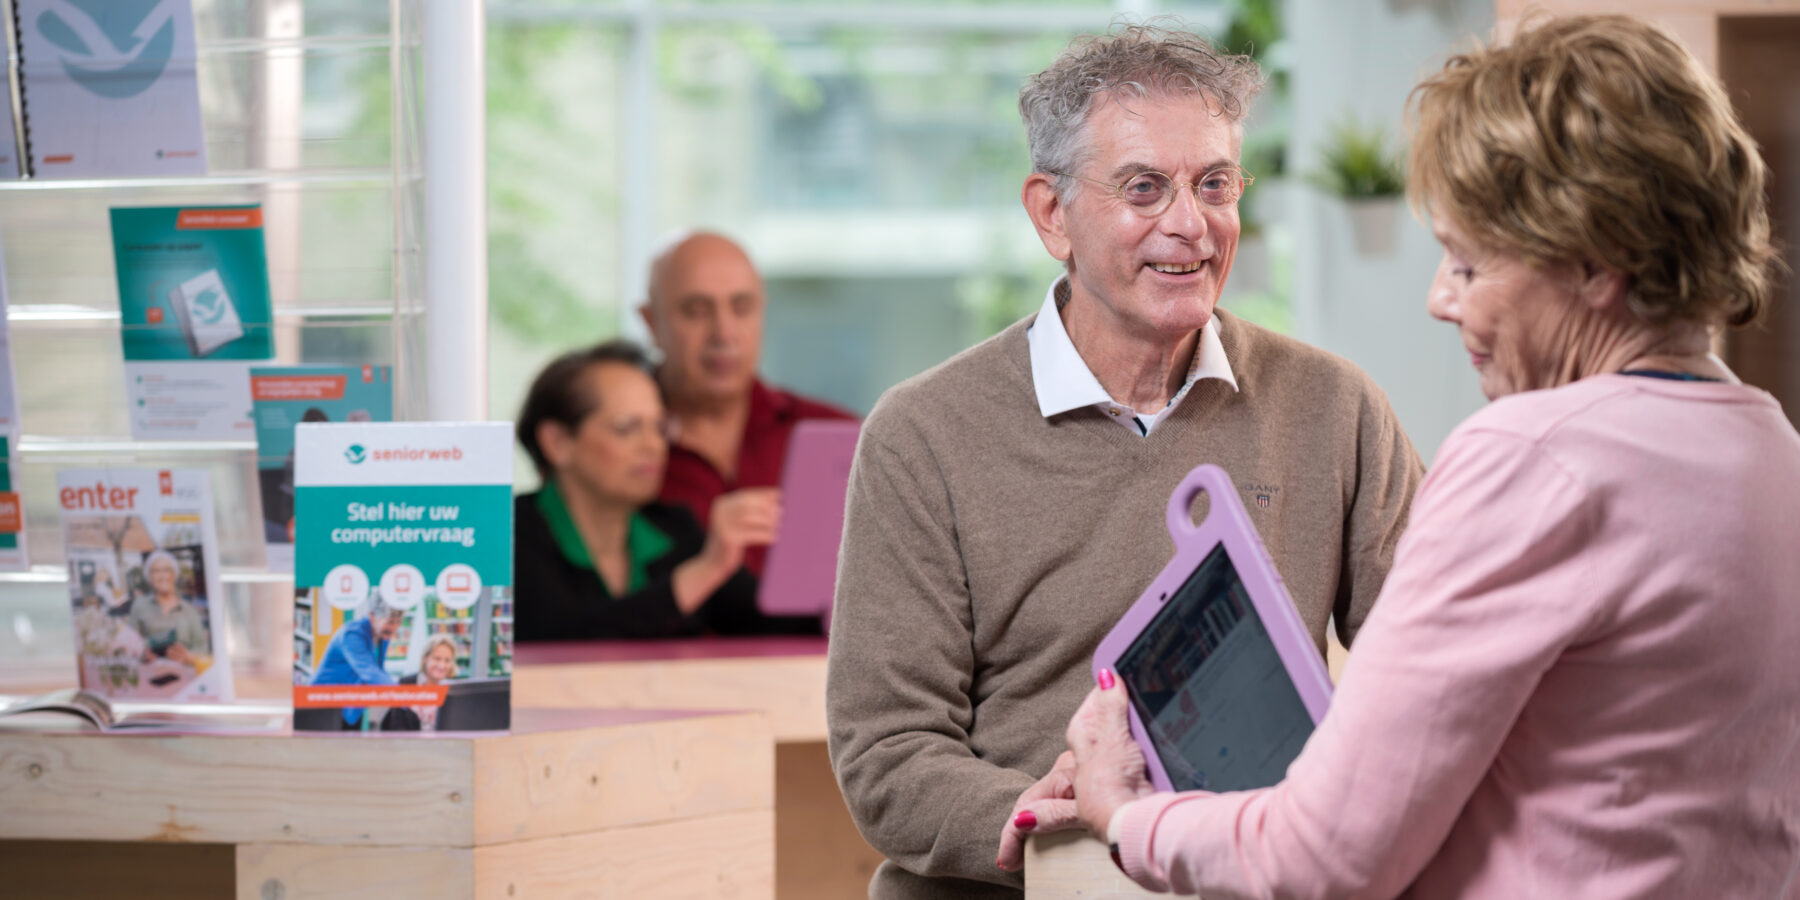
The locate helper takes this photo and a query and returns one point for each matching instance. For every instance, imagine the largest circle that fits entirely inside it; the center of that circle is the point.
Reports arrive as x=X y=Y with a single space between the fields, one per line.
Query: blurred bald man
x=705 y=313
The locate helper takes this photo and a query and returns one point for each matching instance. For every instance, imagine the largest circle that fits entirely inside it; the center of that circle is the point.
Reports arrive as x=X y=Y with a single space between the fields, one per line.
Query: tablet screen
x=1210 y=688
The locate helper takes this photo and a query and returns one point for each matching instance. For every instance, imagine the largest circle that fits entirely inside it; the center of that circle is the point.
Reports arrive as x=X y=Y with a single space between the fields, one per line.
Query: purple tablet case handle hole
x=1212 y=481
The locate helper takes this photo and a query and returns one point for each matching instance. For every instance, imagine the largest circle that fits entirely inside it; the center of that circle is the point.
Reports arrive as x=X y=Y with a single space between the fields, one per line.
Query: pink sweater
x=1582 y=678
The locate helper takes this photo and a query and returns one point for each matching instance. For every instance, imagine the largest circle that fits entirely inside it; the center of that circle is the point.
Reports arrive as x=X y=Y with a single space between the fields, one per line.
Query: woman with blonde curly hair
x=1580 y=679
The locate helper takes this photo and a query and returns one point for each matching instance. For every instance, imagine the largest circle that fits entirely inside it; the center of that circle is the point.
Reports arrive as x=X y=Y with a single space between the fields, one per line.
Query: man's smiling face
x=1158 y=276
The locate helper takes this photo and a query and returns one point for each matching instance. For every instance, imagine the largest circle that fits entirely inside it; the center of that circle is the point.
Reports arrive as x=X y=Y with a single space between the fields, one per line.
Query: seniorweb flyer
x=403 y=576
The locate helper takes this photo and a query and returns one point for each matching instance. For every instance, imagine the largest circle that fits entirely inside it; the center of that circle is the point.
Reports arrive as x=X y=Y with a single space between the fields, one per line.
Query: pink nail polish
x=1025 y=820
x=1106 y=679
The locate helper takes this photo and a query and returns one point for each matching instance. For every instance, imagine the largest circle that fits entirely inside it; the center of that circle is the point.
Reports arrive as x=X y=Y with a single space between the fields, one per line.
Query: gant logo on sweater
x=1262 y=494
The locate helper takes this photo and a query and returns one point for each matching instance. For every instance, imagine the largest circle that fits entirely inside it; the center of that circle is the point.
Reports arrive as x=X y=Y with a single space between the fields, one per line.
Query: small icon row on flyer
x=402 y=586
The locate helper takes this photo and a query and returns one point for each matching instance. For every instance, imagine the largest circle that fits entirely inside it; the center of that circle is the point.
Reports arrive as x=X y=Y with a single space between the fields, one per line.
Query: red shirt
x=694 y=483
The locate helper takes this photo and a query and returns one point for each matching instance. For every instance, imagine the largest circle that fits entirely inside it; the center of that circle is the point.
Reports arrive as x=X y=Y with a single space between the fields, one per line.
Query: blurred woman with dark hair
x=595 y=556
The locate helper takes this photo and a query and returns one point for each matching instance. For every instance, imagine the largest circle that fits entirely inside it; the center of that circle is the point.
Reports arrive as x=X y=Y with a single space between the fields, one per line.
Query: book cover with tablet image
x=144 y=588
x=403 y=577
x=194 y=311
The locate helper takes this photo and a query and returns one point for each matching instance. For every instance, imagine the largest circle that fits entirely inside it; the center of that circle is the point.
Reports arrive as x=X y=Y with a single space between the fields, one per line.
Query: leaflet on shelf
x=9 y=395
x=12 y=511
x=110 y=88
x=194 y=312
x=285 y=396
x=9 y=138
x=144 y=583
x=403 y=571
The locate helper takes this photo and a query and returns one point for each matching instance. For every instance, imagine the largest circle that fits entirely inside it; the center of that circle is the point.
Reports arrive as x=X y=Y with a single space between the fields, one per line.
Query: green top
x=644 y=542
x=181 y=625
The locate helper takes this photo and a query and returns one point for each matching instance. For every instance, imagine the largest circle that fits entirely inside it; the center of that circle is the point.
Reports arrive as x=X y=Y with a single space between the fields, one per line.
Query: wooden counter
x=1072 y=866
x=782 y=677
x=634 y=804
x=819 y=855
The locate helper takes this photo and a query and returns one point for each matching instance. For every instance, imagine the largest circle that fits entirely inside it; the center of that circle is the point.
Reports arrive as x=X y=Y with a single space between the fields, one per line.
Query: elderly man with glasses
x=1006 y=506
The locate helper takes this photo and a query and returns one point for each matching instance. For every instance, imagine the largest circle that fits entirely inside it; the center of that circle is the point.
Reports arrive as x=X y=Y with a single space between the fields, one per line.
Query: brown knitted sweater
x=987 y=549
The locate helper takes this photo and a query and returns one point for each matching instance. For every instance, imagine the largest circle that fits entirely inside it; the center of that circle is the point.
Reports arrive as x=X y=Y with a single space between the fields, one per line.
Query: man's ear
x=1601 y=288
x=649 y=316
x=1047 y=214
x=558 y=444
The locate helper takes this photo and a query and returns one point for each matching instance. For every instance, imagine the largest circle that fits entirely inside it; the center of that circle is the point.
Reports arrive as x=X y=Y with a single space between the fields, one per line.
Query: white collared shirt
x=1063 y=380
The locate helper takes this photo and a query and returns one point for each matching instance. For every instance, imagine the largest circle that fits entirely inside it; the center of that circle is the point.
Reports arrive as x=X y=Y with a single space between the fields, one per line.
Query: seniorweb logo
x=357 y=454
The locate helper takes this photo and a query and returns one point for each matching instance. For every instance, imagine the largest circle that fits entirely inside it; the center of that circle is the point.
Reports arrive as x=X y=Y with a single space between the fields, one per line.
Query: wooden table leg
x=316 y=872
x=819 y=855
x=66 y=870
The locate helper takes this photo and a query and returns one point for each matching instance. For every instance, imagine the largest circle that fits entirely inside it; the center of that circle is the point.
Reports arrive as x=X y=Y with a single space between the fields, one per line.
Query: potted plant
x=1359 y=168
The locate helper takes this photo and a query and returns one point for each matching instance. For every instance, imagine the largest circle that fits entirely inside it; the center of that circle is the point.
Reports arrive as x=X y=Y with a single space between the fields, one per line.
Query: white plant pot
x=1373 y=225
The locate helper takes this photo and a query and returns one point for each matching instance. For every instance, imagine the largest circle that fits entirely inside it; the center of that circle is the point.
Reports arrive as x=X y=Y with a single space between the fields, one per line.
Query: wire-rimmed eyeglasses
x=1150 y=193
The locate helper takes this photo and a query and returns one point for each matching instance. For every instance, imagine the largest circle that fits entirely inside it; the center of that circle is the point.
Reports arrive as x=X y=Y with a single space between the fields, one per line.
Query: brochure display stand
x=312 y=118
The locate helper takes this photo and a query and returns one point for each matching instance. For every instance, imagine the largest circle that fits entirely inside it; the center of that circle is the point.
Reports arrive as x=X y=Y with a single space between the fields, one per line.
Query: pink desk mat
x=529 y=720
x=534 y=720
x=552 y=653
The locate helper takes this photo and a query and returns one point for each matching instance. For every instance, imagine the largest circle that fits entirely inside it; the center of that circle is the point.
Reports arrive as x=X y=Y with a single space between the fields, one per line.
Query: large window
x=869 y=156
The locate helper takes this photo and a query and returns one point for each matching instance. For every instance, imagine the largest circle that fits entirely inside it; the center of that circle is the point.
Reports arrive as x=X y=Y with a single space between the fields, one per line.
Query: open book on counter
x=73 y=709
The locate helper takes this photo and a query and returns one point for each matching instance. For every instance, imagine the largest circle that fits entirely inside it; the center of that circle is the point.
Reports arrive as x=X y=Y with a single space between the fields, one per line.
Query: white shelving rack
x=359 y=128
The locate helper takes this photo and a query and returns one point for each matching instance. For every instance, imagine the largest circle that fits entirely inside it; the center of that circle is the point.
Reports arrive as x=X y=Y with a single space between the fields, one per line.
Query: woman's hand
x=741 y=519
x=1048 y=805
x=1109 y=766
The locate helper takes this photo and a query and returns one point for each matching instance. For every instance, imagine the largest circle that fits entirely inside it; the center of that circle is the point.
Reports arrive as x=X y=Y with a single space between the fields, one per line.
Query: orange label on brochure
x=297 y=387
x=11 y=521
x=59 y=158
x=191 y=219
x=154 y=315
x=331 y=696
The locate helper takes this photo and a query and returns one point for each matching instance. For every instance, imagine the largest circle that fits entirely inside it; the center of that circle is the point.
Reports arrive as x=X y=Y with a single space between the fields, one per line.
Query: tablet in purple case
x=802 y=568
x=1225 y=682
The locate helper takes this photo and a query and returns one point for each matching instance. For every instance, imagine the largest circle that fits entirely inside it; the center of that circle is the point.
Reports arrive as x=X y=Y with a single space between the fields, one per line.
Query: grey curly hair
x=380 y=607
x=1135 y=60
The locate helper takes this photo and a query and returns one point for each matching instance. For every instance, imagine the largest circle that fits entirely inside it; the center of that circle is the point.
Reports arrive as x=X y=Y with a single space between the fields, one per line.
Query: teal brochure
x=282 y=398
x=403 y=609
x=12 y=513
x=194 y=310
x=193 y=282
